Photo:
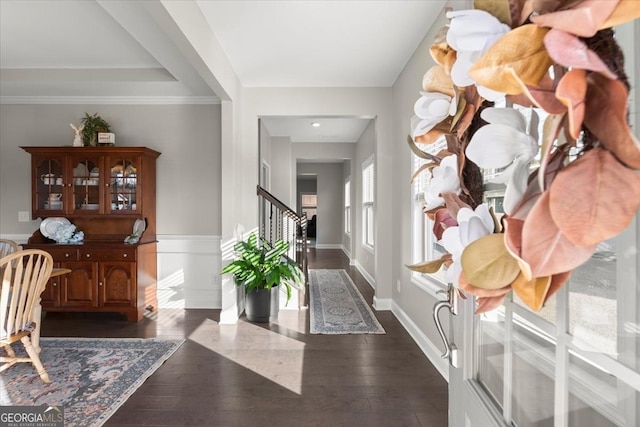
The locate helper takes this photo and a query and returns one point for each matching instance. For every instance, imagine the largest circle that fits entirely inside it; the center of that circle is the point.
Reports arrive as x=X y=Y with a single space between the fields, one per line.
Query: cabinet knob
x=124 y=255
x=55 y=284
x=66 y=255
x=107 y=184
x=88 y=255
x=68 y=185
x=99 y=283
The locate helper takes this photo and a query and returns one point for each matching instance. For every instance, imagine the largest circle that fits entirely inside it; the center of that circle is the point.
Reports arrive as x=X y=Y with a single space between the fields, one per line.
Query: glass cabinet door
x=49 y=185
x=124 y=190
x=87 y=185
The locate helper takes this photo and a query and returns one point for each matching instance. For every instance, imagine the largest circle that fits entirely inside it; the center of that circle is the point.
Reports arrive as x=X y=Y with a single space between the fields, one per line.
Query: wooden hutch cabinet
x=103 y=191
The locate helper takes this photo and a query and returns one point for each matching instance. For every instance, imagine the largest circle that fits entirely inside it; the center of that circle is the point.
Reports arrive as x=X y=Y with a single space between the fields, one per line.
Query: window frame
x=368 y=203
x=347 y=206
x=423 y=241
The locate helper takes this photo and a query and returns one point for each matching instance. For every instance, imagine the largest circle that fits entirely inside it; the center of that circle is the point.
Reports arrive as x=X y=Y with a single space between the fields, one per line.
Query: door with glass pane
x=575 y=363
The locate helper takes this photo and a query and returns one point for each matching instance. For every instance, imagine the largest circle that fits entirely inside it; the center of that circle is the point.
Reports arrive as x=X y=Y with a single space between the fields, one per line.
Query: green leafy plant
x=93 y=124
x=260 y=265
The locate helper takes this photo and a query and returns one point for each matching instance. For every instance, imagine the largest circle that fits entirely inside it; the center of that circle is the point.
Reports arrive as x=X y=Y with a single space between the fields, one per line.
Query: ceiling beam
x=138 y=22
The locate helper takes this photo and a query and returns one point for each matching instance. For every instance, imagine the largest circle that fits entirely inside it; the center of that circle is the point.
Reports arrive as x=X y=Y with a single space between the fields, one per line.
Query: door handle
x=451 y=351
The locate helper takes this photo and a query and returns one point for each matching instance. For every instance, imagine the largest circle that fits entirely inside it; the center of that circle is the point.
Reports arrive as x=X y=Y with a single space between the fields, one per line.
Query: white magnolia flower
x=471 y=33
x=444 y=180
x=432 y=108
x=472 y=225
x=505 y=143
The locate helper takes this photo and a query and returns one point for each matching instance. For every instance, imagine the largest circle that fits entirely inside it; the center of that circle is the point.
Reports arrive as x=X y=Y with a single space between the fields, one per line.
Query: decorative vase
x=261 y=304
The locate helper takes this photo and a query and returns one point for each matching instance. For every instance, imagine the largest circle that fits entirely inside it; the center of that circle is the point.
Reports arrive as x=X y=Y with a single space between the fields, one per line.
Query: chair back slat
x=24 y=277
x=8 y=247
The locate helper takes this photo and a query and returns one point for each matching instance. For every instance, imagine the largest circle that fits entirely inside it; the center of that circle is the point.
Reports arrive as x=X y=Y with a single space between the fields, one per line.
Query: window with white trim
x=368 y=200
x=425 y=246
x=347 y=206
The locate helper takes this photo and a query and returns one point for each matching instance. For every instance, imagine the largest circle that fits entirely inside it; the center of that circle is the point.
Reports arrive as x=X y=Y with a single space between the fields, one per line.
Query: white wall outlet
x=24 y=216
x=398 y=285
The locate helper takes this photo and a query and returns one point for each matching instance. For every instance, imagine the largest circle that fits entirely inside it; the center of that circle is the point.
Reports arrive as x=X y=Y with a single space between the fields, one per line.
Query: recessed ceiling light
x=315 y=124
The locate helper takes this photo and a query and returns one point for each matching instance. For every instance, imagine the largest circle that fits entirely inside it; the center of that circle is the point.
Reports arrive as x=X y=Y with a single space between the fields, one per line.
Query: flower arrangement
x=558 y=56
x=68 y=233
x=91 y=125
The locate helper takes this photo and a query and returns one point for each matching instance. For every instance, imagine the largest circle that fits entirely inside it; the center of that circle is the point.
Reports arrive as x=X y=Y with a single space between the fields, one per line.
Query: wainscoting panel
x=189 y=272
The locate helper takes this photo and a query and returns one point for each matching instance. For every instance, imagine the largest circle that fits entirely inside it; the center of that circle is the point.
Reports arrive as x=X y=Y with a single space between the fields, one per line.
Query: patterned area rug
x=337 y=307
x=90 y=378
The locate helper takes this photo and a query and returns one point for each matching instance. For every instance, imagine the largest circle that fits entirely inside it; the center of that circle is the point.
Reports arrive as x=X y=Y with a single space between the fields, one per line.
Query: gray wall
x=188 y=177
x=265 y=153
x=281 y=173
x=409 y=298
x=329 y=190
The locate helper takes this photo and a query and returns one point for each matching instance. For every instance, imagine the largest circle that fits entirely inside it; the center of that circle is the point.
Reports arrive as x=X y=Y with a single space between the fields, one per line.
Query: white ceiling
x=319 y=43
x=99 y=49
x=331 y=129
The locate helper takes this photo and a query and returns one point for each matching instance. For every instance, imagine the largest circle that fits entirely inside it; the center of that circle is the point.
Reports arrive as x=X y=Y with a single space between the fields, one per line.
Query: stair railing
x=280 y=222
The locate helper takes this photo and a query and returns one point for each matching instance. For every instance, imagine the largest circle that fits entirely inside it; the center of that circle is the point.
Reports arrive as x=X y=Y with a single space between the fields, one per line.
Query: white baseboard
x=328 y=246
x=367 y=276
x=382 y=304
x=427 y=347
x=347 y=253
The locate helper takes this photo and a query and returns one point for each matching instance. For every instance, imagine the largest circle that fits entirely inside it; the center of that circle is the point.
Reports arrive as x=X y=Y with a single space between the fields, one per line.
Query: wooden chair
x=8 y=247
x=24 y=276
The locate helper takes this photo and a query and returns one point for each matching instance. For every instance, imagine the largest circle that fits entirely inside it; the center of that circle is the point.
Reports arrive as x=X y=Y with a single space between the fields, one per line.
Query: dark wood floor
x=274 y=374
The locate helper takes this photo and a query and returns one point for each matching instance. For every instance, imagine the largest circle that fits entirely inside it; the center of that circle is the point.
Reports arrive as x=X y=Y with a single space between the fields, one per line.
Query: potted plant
x=260 y=267
x=93 y=124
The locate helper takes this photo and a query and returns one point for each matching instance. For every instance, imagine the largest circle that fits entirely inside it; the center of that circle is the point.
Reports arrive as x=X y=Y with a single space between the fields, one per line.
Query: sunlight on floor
x=248 y=350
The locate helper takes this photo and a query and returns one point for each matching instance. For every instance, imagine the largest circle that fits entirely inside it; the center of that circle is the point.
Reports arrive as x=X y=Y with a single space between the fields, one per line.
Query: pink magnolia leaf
x=442 y=220
x=594 y=198
x=571 y=91
x=606 y=118
x=528 y=200
x=462 y=123
x=566 y=49
x=454 y=203
x=480 y=292
x=542 y=96
x=590 y=14
x=545 y=248
x=442 y=128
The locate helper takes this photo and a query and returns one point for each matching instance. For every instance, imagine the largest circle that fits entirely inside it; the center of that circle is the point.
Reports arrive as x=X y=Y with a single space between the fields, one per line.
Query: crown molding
x=110 y=100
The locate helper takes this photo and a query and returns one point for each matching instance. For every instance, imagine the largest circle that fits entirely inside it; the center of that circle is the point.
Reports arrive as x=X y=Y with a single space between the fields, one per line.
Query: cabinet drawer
x=63 y=254
x=112 y=254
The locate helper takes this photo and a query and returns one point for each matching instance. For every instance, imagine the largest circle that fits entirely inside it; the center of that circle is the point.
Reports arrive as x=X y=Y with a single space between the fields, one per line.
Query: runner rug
x=90 y=378
x=337 y=307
